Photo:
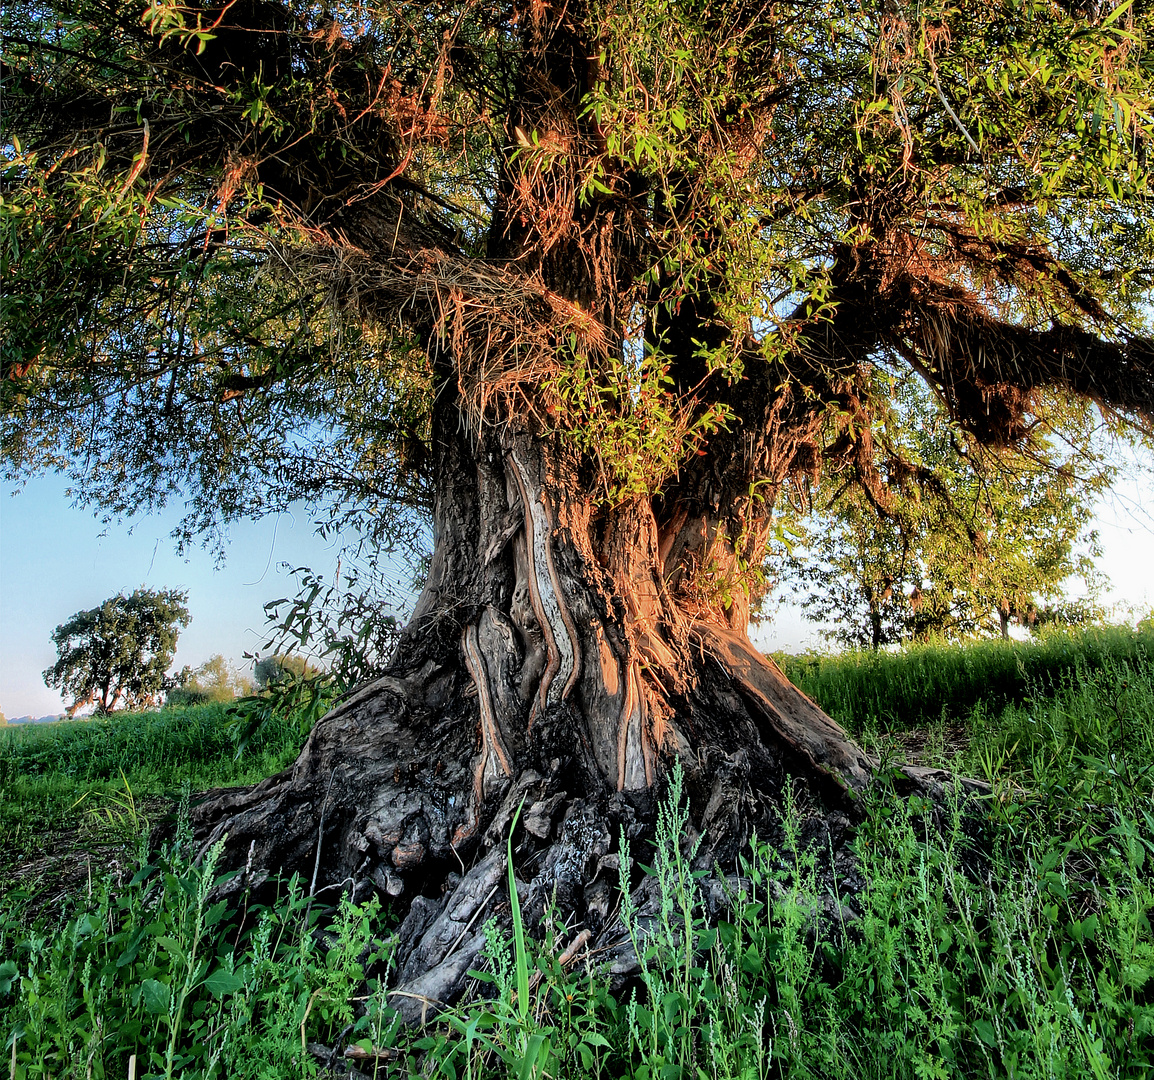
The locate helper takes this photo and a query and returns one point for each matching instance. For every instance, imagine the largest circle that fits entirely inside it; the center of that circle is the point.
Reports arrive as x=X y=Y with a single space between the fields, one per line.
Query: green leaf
x=522 y=960
x=1118 y=12
x=986 y=1032
x=171 y=946
x=9 y=973
x=155 y=996
x=222 y=982
x=536 y=1050
x=218 y=910
x=141 y=874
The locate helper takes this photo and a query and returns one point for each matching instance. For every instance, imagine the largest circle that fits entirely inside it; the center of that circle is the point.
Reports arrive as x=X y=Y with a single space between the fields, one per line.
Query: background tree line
x=965 y=539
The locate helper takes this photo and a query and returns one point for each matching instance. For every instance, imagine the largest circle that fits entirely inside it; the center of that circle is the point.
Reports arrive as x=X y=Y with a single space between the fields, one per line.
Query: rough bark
x=547 y=666
x=563 y=653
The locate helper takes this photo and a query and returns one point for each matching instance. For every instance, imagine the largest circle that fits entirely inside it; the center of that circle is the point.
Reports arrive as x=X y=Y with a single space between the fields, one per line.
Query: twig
x=566 y=958
x=422 y=998
x=461 y=935
x=320 y=835
x=304 y=1021
x=380 y=1053
x=953 y=115
x=574 y=947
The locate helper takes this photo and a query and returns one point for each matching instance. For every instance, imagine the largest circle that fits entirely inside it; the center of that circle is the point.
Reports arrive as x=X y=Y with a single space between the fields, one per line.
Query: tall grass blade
x=521 y=957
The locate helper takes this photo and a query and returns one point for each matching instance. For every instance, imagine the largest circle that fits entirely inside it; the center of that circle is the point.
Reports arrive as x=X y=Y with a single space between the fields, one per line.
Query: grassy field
x=1006 y=936
x=71 y=790
x=881 y=692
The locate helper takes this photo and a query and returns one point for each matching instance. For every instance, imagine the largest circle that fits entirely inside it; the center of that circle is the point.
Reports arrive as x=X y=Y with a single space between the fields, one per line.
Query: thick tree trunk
x=548 y=665
x=563 y=654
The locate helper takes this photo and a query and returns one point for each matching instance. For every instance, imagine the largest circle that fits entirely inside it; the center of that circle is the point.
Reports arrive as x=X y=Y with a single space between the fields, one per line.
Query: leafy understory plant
x=150 y=967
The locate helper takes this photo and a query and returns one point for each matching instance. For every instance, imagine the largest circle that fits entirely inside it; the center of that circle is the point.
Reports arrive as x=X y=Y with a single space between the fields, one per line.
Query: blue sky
x=56 y=560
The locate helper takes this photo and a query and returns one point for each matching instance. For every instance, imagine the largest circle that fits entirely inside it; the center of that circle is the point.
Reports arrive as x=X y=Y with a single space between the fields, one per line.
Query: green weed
x=150 y=967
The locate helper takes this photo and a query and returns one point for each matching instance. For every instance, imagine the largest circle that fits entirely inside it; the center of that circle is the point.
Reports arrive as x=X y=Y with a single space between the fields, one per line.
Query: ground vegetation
x=584 y=285
x=1007 y=935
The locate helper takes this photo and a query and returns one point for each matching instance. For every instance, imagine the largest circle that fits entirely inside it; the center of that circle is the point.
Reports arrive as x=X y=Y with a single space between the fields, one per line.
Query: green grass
x=116 y=770
x=892 y=691
x=177 y=745
x=1091 y=742
x=1008 y=936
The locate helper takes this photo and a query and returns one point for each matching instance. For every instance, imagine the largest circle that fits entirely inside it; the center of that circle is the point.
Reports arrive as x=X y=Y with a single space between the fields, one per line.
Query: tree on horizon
x=118 y=654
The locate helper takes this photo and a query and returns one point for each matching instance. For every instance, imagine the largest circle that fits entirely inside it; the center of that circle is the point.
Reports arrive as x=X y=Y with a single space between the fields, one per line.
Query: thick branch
x=985 y=370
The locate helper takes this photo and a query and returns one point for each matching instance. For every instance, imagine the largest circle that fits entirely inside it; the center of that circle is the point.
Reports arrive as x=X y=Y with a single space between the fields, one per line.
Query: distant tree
x=118 y=654
x=280 y=667
x=1069 y=612
x=216 y=680
x=956 y=540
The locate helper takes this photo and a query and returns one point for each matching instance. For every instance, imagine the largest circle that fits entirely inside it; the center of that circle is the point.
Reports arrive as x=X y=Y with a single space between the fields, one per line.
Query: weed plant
x=149 y=967
x=1006 y=955
x=1006 y=936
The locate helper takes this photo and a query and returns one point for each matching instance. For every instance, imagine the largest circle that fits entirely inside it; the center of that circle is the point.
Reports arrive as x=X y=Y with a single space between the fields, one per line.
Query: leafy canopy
x=118 y=654
x=244 y=245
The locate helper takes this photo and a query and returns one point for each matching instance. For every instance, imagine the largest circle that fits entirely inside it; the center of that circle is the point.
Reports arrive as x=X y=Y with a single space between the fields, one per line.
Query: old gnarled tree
x=592 y=285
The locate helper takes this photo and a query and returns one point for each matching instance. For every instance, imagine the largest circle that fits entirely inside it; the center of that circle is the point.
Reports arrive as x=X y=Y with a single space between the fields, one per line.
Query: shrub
x=280 y=668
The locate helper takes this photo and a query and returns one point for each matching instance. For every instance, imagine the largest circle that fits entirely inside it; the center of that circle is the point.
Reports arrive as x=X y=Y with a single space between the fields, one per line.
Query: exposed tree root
x=550 y=665
x=407 y=790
